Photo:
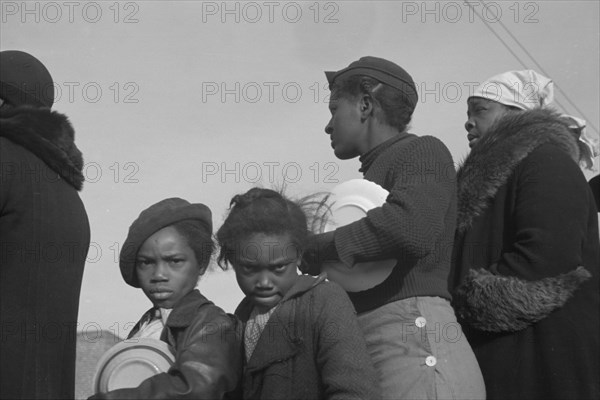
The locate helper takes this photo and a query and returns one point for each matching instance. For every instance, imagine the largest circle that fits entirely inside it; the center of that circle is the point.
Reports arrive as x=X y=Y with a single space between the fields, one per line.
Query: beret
x=382 y=70
x=24 y=80
x=156 y=217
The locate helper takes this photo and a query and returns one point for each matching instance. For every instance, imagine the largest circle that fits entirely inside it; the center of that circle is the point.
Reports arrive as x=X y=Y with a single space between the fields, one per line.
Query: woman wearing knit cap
x=411 y=331
x=166 y=251
x=44 y=234
x=527 y=251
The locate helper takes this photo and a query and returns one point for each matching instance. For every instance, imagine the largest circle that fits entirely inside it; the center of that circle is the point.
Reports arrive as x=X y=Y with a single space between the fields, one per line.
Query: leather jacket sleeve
x=207 y=365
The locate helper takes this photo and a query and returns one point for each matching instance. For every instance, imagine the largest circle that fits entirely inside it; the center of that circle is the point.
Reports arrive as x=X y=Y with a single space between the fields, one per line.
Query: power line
x=538 y=66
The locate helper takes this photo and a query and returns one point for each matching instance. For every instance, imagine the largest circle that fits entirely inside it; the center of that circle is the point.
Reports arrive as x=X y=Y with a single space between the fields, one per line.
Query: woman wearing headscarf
x=526 y=254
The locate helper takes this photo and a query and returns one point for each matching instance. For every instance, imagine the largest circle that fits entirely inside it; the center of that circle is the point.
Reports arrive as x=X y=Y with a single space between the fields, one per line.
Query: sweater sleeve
x=345 y=367
x=422 y=186
x=207 y=364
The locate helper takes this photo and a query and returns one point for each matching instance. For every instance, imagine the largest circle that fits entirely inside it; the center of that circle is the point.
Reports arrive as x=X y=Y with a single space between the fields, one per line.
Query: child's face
x=481 y=114
x=166 y=267
x=345 y=128
x=266 y=268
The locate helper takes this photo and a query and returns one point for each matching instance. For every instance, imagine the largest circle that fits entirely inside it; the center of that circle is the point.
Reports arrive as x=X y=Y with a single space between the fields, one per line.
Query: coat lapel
x=278 y=341
x=182 y=316
x=281 y=339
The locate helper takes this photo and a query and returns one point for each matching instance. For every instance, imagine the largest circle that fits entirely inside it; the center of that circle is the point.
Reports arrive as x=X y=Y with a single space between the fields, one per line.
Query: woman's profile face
x=481 y=115
x=345 y=128
x=166 y=267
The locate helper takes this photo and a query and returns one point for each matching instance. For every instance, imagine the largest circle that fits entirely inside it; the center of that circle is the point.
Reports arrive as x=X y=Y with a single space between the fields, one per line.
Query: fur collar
x=494 y=158
x=47 y=134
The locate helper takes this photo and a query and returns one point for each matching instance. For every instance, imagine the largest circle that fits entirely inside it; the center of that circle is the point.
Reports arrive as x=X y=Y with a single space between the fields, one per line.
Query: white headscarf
x=528 y=90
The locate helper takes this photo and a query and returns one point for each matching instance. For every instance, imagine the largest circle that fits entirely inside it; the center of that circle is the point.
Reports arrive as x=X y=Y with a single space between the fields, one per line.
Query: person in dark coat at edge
x=595 y=185
x=527 y=252
x=44 y=234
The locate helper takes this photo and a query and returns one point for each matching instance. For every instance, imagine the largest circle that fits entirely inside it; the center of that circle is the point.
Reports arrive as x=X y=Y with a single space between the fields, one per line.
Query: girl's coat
x=311 y=348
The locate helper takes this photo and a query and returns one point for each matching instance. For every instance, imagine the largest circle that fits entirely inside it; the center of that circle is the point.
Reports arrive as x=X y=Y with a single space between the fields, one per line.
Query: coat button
x=420 y=322
x=430 y=361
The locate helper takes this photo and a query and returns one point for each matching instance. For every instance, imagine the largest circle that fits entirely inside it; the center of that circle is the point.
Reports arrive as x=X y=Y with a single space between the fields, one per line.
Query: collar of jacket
x=186 y=310
x=182 y=315
x=494 y=158
x=47 y=134
x=284 y=324
x=302 y=285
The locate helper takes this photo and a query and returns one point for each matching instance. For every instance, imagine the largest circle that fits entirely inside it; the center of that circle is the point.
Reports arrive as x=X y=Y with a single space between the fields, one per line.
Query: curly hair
x=392 y=106
x=268 y=212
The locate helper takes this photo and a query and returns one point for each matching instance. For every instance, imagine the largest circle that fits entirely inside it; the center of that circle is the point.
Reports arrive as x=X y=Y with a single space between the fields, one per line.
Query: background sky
x=203 y=100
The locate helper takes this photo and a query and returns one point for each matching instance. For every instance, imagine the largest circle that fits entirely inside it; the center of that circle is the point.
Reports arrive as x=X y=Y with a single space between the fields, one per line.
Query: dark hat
x=24 y=80
x=156 y=217
x=384 y=71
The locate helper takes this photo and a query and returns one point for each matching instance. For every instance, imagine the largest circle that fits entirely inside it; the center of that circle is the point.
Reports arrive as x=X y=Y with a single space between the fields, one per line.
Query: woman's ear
x=366 y=107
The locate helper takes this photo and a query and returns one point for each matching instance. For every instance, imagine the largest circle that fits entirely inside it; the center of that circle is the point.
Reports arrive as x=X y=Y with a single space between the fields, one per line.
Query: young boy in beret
x=411 y=331
x=166 y=251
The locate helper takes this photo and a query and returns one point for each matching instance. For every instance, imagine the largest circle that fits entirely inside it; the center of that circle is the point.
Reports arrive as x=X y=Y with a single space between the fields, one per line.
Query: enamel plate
x=349 y=202
x=130 y=362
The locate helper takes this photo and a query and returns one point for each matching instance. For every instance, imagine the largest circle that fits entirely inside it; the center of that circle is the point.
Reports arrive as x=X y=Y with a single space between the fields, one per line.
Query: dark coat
x=527 y=258
x=206 y=343
x=311 y=348
x=45 y=235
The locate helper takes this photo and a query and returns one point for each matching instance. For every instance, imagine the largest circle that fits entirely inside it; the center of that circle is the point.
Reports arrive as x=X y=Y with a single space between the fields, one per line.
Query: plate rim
x=345 y=194
x=157 y=346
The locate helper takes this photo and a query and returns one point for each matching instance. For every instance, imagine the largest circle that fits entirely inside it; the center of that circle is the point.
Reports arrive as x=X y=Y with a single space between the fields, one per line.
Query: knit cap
x=382 y=70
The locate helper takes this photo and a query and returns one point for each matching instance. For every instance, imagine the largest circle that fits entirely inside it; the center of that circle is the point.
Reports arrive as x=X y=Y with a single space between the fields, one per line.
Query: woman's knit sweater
x=415 y=226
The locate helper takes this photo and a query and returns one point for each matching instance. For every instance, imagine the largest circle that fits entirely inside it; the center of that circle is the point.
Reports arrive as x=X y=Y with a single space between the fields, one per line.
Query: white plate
x=130 y=362
x=349 y=202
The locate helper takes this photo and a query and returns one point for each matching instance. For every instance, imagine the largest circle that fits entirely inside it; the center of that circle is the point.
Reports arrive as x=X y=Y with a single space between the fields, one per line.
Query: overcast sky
x=203 y=100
